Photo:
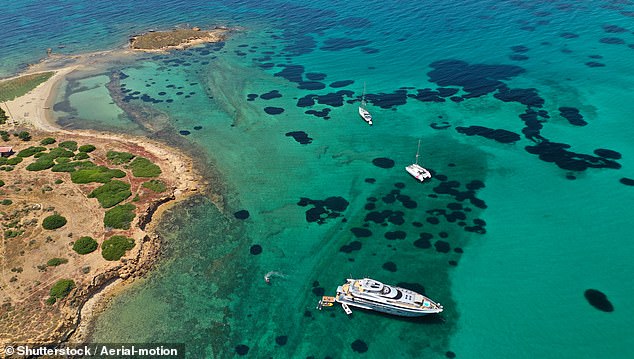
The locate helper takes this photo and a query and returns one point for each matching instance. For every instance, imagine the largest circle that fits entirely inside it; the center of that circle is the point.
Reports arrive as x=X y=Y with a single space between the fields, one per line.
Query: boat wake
x=267 y=276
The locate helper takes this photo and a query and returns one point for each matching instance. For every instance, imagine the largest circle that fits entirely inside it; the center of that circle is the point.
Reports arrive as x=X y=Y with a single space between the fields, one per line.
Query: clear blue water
x=508 y=235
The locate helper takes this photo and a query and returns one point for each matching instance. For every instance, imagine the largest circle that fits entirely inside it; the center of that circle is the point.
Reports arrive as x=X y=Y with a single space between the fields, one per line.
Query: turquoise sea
x=524 y=113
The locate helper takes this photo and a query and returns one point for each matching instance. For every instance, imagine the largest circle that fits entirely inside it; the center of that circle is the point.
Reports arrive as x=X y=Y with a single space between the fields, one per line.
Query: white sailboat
x=416 y=170
x=363 y=112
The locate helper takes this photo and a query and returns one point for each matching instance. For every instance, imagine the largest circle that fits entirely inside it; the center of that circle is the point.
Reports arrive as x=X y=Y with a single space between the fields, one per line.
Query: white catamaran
x=370 y=294
x=416 y=170
x=363 y=112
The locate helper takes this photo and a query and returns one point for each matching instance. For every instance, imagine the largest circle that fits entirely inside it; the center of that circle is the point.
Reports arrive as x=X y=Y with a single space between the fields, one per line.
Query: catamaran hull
x=385 y=308
x=418 y=172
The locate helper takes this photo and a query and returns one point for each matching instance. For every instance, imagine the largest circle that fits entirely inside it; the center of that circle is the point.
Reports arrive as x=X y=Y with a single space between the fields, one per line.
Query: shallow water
x=540 y=225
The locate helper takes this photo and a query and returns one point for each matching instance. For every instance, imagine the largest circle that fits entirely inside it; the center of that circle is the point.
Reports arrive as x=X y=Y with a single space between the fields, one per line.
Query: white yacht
x=363 y=112
x=370 y=294
x=416 y=170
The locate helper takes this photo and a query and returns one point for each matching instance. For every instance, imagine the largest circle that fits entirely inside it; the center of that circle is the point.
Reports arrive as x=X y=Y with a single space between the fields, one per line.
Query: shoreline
x=33 y=110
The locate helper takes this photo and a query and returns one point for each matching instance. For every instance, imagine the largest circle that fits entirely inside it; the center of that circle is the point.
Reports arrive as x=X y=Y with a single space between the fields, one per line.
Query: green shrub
x=1 y=183
x=87 y=148
x=85 y=245
x=28 y=152
x=72 y=166
x=59 y=181
x=81 y=156
x=54 y=262
x=114 y=248
x=4 y=135
x=47 y=141
x=60 y=290
x=119 y=158
x=3 y=161
x=69 y=145
x=111 y=193
x=62 y=160
x=14 y=161
x=24 y=136
x=6 y=202
x=155 y=185
x=99 y=174
x=119 y=216
x=142 y=167
x=53 y=222
x=41 y=164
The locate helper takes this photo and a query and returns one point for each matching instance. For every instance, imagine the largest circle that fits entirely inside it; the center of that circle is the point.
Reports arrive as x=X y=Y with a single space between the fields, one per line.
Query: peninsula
x=77 y=210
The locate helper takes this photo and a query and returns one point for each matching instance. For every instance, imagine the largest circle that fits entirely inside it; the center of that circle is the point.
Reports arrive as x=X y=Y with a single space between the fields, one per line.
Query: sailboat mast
x=363 y=94
x=417 y=151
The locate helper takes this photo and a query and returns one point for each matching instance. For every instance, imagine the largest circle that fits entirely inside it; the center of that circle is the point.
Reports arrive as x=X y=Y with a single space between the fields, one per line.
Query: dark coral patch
x=331 y=207
x=184 y=132
x=395 y=235
x=613 y=29
x=422 y=243
x=370 y=180
x=383 y=162
x=361 y=232
x=281 y=340
x=450 y=354
x=388 y=100
x=271 y=95
x=352 y=246
x=594 y=64
x=612 y=41
x=519 y=48
x=242 y=349
x=442 y=246
x=568 y=160
x=319 y=113
x=337 y=44
x=369 y=50
x=359 y=346
x=389 y=266
x=627 y=181
x=518 y=57
x=273 y=110
x=300 y=136
x=255 y=249
x=475 y=79
x=572 y=115
x=311 y=85
x=344 y=83
x=602 y=152
x=598 y=300
x=198 y=128
x=528 y=97
x=499 y=135
x=319 y=291
x=242 y=214
x=292 y=73
x=315 y=76
x=569 y=35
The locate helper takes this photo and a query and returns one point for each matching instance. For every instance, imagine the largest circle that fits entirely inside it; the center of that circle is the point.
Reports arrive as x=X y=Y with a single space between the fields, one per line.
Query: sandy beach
x=33 y=113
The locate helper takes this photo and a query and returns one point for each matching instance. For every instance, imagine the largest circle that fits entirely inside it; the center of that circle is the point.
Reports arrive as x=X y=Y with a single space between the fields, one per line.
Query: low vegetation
x=87 y=148
x=111 y=193
x=119 y=158
x=30 y=151
x=47 y=141
x=155 y=185
x=54 y=262
x=142 y=167
x=85 y=245
x=99 y=174
x=114 y=248
x=19 y=86
x=120 y=216
x=54 y=221
x=60 y=290
x=69 y=145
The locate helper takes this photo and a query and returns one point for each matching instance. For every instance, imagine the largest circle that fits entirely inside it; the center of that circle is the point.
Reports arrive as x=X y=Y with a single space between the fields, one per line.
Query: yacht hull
x=377 y=307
